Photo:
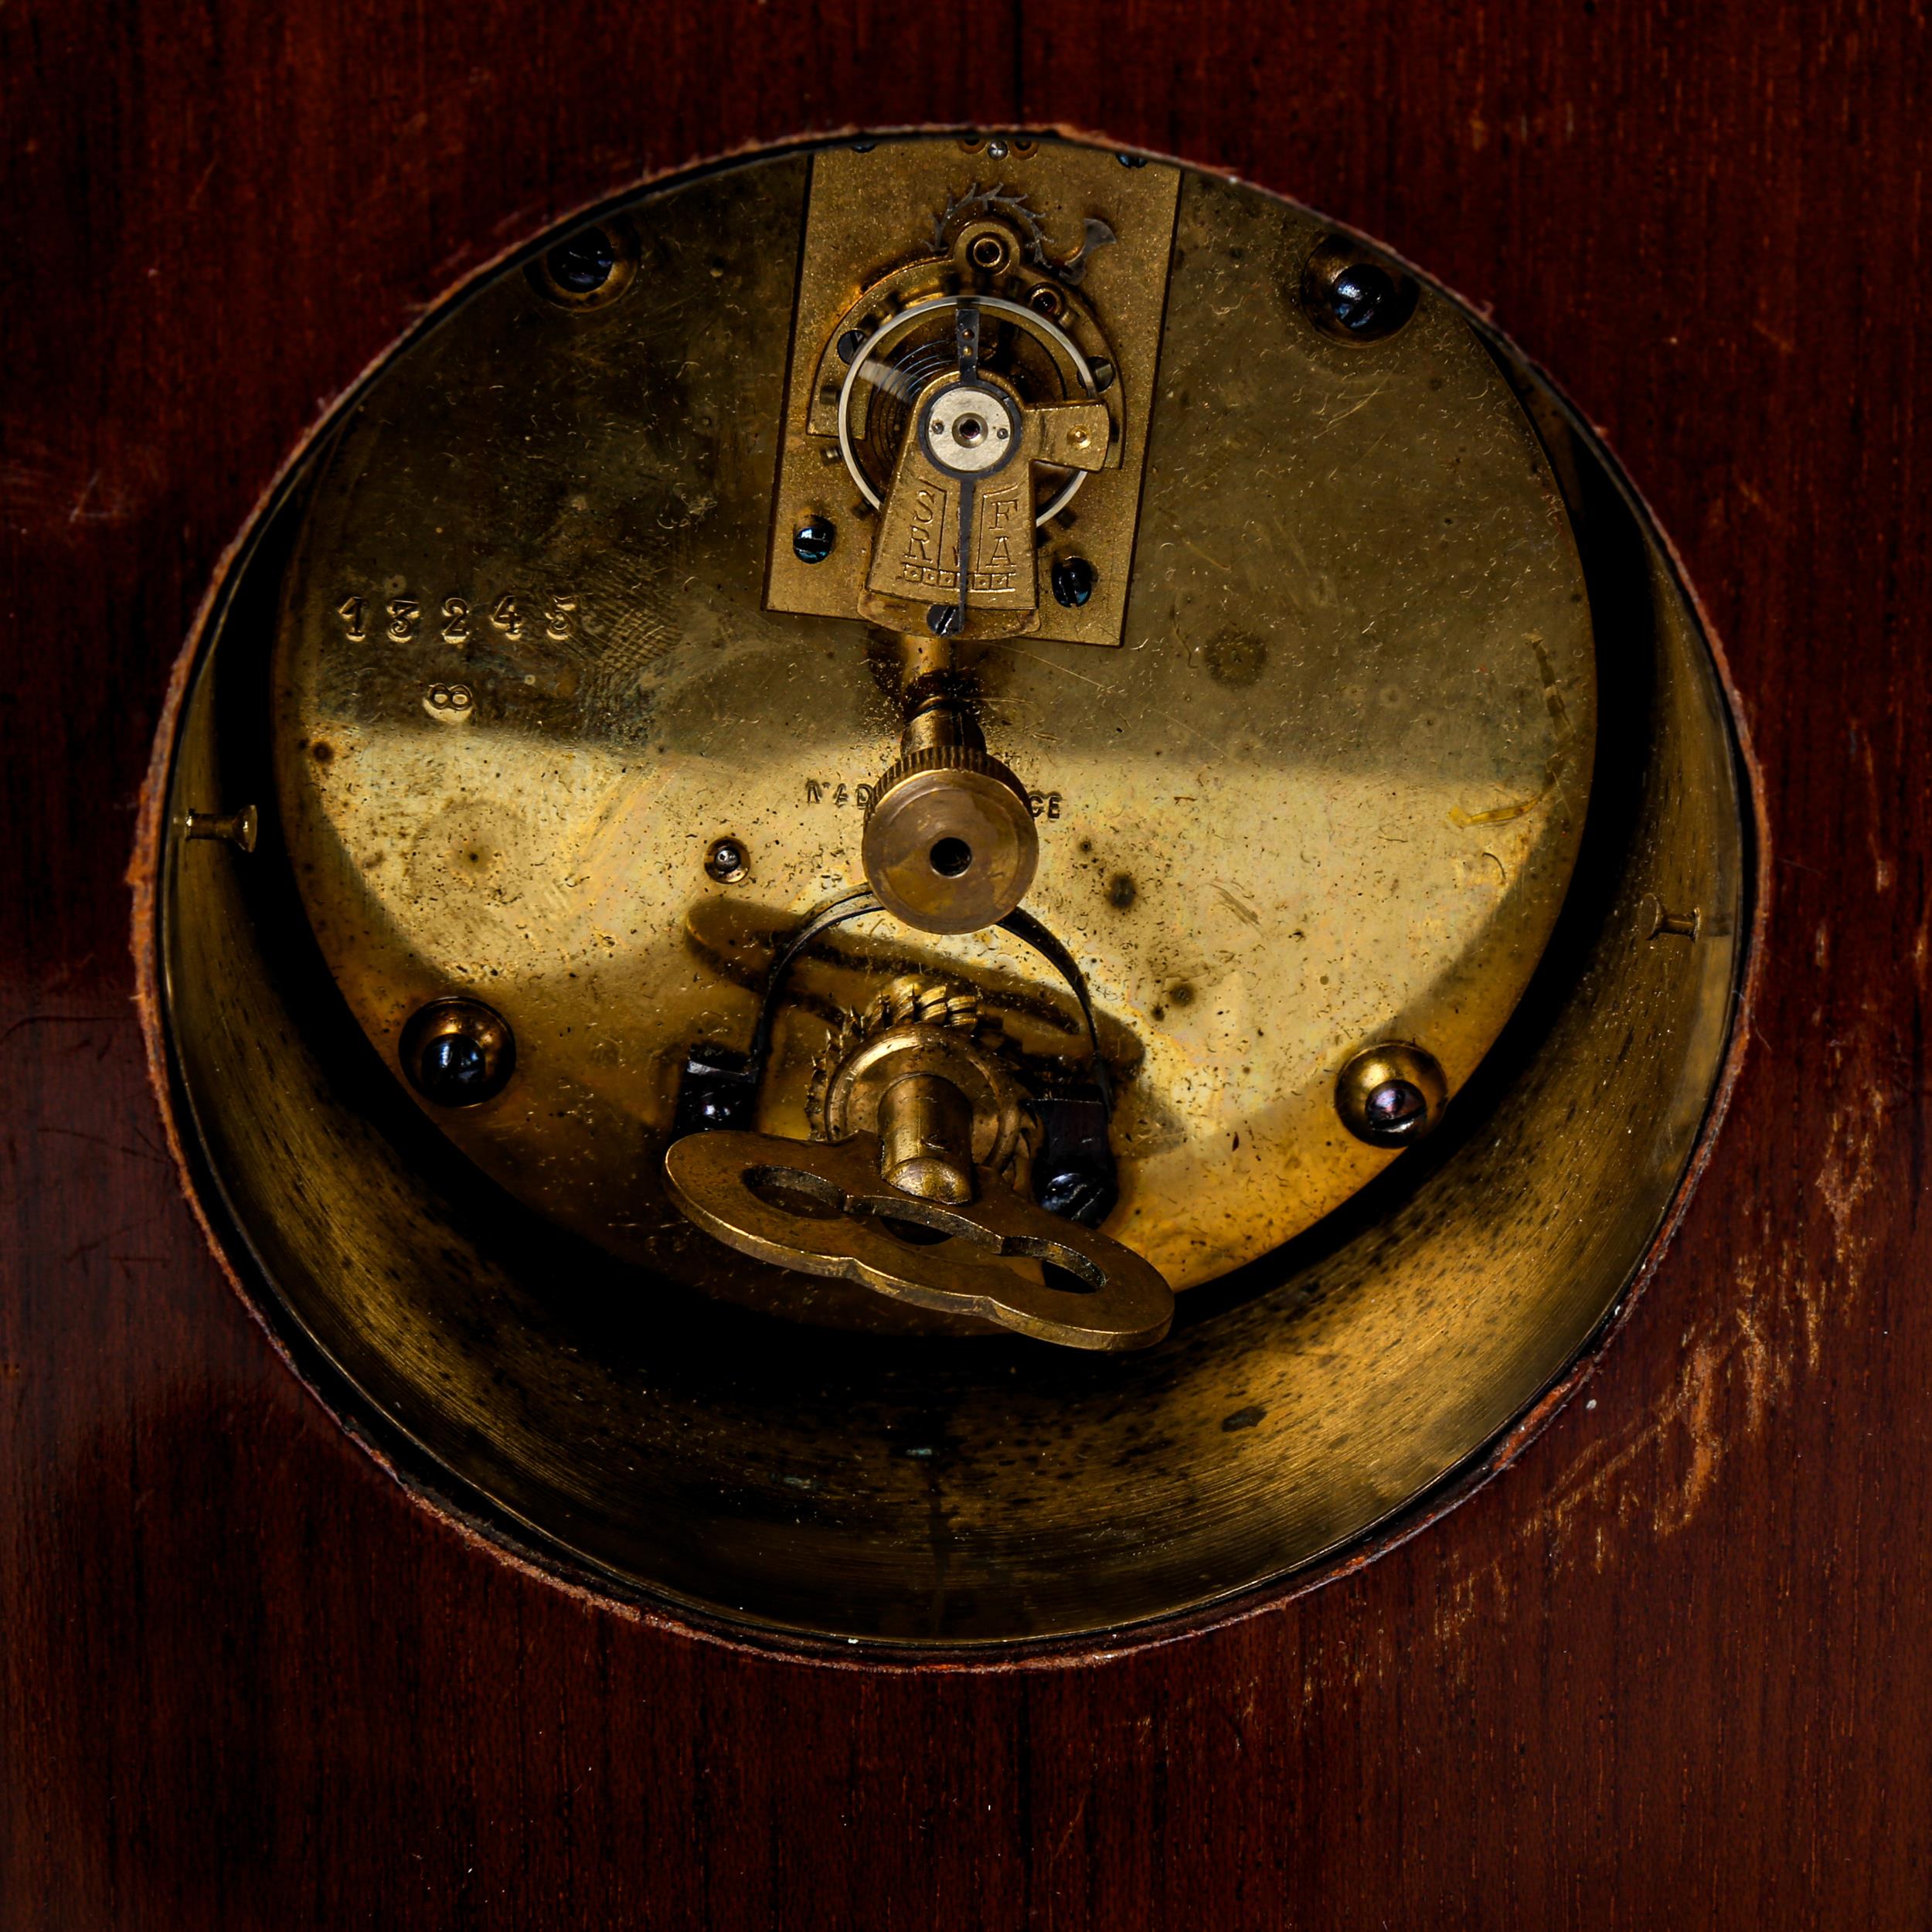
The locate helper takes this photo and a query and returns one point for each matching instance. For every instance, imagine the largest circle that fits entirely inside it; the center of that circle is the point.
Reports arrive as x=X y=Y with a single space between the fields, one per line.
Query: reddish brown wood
x=1669 y=1669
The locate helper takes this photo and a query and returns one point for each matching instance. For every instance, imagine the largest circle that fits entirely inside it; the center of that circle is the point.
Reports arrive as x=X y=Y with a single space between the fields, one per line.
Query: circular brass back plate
x=1328 y=790
x=1327 y=793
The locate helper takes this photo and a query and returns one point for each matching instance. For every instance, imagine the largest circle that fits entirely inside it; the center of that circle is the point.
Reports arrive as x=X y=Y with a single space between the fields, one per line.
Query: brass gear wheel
x=925 y=1022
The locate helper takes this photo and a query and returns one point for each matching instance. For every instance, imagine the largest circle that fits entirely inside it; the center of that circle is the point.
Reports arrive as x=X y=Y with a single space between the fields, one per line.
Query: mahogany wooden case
x=1664 y=1669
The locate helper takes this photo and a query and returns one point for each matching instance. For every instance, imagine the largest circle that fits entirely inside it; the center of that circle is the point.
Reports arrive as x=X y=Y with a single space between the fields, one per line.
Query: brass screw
x=237 y=829
x=1666 y=924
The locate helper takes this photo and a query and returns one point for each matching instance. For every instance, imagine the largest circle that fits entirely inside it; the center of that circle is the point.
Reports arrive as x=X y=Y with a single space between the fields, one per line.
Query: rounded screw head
x=728 y=862
x=458 y=1052
x=850 y=344
x=812 y=542
x=1074 y=580
x=1394 y=1106
x=1353 y=297
x=1361 y=296
x=1391 y=1095
x=584 y=263
x=942 y=619
x=588 y=270
x=1077 y=1189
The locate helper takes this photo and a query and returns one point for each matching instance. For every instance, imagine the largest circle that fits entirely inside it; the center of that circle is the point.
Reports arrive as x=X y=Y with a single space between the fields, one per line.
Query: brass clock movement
x=947 y=889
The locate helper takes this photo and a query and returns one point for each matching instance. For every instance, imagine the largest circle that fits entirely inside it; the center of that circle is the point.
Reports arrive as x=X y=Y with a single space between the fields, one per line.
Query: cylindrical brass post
x=926 y=1139
x=949 y=844
x=926 y=663
x=939 y=722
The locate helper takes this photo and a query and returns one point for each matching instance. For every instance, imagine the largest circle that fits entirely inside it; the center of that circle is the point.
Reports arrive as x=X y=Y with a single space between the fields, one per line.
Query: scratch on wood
x=1666 y=1474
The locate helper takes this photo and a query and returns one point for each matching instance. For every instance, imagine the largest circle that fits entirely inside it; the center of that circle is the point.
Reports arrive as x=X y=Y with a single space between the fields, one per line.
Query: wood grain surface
x=1670 y=1669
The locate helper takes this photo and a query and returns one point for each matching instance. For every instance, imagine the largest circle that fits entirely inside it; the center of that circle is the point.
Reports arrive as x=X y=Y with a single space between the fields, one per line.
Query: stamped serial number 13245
x=402 y=618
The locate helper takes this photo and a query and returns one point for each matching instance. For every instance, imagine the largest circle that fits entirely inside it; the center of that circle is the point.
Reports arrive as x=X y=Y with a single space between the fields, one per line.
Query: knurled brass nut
x=944 y=758
x=949 y=844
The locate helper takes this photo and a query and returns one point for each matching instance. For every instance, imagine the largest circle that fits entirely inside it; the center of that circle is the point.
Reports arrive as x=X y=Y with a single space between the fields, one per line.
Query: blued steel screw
x=1362 y=298
x=1074 y=580
x=1353 y=297
x=583 y=264
x=811 y=542
x=453 y=1069
x=458 y=1052
x=1391 y=1095
x=1396 y=1107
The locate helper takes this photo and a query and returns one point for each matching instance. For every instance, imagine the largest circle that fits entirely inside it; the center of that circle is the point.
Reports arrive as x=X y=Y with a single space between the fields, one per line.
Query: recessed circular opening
x=1063 y=1271
x=793 y=1191
x=915 y=1234
x=950 y=857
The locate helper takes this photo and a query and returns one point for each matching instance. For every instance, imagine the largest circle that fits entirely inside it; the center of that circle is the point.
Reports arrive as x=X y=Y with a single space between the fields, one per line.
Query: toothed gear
x=913 y=999
x=952 y=1011
x=995 y=200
